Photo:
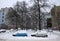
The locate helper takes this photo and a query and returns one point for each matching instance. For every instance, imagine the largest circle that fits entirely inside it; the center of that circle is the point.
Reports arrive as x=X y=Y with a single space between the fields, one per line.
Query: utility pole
x=39 y=14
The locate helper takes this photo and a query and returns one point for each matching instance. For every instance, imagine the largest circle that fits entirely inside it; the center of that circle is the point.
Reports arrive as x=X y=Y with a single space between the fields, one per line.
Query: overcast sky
x=10 y=3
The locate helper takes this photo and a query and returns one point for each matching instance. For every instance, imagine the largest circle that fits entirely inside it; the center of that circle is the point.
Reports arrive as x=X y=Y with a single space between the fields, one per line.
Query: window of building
x=2 y=16
x=12 y=19
x=2 y=20
x=3 y=13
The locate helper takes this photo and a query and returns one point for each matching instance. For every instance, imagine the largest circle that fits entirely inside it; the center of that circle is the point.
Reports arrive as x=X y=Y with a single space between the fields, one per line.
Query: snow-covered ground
x=8 y=36
x=58 y=32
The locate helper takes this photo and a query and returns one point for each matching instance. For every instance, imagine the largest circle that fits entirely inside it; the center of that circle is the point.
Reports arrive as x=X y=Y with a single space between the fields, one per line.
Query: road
x=58 y=39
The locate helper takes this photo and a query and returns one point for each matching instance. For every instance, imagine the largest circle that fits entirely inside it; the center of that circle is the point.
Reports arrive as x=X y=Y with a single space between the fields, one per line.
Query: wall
x=55 y=12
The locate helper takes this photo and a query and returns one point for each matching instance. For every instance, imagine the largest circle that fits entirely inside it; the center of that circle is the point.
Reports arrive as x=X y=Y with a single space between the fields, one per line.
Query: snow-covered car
x=2 y=30
x=39 y=34
x=21 y=33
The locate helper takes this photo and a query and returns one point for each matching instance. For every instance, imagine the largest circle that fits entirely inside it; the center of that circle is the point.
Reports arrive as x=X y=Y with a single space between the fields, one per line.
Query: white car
x=39 y=34
x=2 y=30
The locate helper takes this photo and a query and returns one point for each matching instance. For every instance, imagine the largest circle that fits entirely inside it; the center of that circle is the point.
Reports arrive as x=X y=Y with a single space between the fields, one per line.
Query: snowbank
x=8 y=36
x=58 y=32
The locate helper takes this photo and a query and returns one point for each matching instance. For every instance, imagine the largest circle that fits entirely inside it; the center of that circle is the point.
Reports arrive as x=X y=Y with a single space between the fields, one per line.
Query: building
x=55 y=12
x=2 y=17
x=3 y=21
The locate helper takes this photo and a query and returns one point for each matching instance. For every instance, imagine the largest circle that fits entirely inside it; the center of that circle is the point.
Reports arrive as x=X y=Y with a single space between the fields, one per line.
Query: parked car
x=2 y=30
x=20 y=34
x=39 y=34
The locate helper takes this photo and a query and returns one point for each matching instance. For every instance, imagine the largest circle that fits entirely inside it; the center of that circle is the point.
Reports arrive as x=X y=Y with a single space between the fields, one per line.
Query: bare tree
x=28 y=19
x=12 y=17
x=21 y=9
x=37 y=5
